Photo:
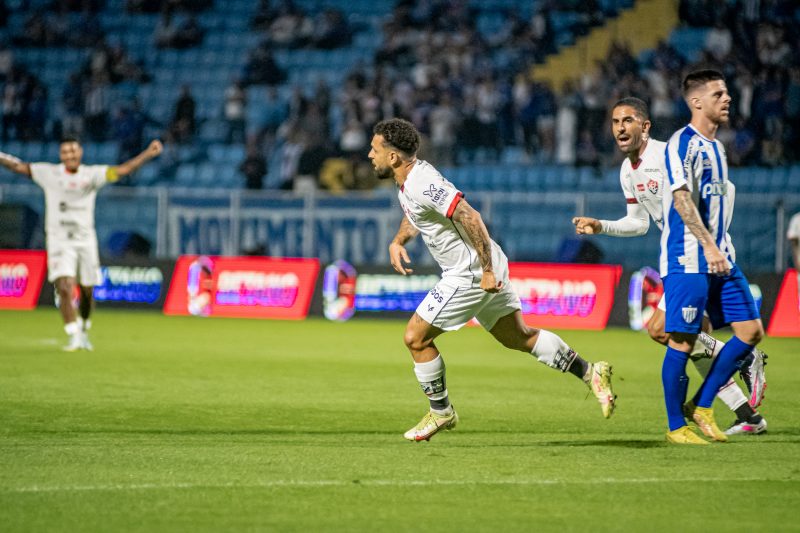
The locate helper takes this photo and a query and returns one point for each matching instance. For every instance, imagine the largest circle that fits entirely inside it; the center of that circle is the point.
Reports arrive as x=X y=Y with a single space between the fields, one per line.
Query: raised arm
x=682 y=200
x=478 y=235
x=153 y=150
x=397 y=249
x=15 y=164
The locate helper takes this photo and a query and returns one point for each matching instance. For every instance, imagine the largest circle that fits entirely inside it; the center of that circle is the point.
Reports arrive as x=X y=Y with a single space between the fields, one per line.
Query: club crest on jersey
x=689 y=314
x=437 y=195
x=652 y=186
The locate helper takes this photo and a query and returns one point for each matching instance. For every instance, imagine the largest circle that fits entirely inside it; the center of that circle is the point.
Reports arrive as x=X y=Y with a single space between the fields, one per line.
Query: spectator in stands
x=97 y=106
x=188 y=34
x=35 y=115
x=6 y=60
x=291 y=28
x=444 y=120
x=719 y=41
x=272 y=112
x=184 y=122
x=128 y=129
x=166 y=30
x=566 y=124
x=330 y=30
x=4 y=12
x=72 y=100
x=254 y=167
x=792 y=112
x=13 y=104
x=234 y=108
x=261 y=68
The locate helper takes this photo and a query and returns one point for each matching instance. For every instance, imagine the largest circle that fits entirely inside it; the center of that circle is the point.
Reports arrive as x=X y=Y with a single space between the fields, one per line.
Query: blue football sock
x=675 y=380
x=724 y=366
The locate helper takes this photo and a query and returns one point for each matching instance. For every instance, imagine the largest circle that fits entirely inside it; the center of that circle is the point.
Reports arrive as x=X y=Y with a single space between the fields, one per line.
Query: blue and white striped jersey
x=701 y=165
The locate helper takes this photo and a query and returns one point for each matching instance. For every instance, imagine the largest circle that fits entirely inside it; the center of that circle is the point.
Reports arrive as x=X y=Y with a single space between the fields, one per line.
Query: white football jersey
x=643 y=183
x=794 y=227
x=69 y=199
x=428 y=201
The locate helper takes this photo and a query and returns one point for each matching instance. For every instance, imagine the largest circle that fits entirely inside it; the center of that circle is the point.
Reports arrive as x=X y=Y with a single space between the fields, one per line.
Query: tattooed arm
x=397 y=249
x=682 y=199
x=478 y=235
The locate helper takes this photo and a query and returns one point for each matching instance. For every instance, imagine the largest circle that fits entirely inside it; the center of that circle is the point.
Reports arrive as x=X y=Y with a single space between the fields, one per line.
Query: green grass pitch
x=189 y=424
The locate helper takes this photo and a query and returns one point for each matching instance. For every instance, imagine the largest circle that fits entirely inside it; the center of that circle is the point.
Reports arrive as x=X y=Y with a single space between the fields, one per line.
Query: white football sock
x=72 y=328
x=431 y=377
x=551 y=350
x=714 y=346
x=732 y=395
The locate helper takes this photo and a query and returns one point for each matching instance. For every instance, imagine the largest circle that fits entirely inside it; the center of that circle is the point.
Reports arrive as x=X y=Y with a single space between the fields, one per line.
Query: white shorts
x=450 y=305
x=76 y=260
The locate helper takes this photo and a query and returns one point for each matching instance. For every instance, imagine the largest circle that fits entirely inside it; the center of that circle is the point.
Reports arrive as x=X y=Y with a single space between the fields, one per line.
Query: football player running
x=474 y=280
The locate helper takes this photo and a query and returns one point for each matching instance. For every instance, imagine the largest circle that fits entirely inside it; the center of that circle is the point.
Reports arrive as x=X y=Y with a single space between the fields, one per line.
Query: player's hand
x=717 y=264
x=398 y=256
x=155 y=148
x=587 y=226
x=489 y=283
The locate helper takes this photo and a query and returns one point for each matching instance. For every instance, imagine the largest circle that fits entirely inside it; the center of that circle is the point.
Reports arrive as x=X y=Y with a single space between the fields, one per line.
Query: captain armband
x=111 y=174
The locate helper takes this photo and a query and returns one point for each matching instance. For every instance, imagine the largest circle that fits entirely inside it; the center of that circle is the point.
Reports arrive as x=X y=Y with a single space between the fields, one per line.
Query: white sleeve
x=681 y=163
x=41 y=172
x=635 y=224
x=439 y=195
x=794 y=227
x=99 y=174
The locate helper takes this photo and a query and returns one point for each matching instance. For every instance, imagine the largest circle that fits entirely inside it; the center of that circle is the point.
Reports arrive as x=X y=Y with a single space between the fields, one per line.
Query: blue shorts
x=726 y=299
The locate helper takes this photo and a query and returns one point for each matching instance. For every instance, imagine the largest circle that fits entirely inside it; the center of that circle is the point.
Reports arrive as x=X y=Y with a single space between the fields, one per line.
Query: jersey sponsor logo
x=689 y=314
x=714 y=189
x=652 y=186
x=640 y=187
x=437 y=195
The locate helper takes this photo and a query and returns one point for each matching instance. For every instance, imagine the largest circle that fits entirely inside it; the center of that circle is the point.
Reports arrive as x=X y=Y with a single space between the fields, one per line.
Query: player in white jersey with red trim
x=70 y=189
x=474 y=282
x=642 y=178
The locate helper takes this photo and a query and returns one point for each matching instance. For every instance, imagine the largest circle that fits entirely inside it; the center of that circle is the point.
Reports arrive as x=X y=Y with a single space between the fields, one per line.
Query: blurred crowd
x=469 y=91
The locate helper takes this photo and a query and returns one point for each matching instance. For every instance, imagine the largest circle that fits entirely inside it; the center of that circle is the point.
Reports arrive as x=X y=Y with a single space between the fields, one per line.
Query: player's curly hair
x=698 y=78
x=400 y=134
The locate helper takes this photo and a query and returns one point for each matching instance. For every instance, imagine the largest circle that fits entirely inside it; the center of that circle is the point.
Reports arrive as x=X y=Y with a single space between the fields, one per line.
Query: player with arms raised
x=474 y=280
x=642 y=180
x=70 y=189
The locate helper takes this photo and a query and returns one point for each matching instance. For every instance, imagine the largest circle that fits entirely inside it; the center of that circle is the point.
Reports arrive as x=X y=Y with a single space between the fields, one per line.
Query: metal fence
x=358 y=226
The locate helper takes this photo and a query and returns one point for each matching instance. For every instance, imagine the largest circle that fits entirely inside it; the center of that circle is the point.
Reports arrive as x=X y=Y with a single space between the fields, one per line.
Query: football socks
x=431 y=377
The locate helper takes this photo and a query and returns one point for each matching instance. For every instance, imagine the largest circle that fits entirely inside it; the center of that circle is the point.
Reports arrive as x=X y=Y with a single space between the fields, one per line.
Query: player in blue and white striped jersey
x=698 y=259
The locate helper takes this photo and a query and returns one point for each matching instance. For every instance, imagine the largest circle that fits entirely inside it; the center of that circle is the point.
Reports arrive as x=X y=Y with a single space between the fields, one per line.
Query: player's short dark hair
x=70 y=139
x=636 y=103
x=399 y=133
x=698 y=78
